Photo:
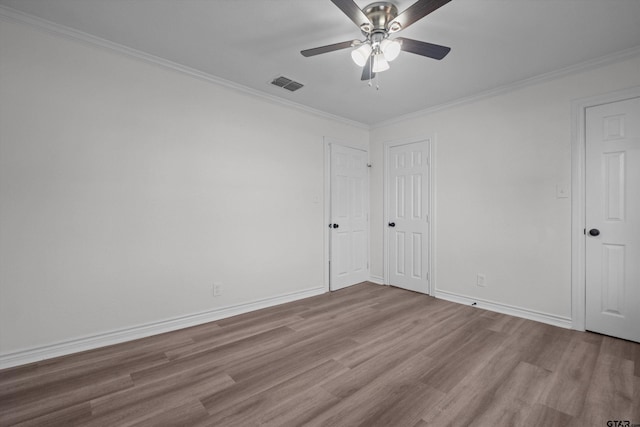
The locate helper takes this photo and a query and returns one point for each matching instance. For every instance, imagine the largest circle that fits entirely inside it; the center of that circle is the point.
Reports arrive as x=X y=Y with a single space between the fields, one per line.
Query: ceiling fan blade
x=429 y=50
x=367 y=74
x=417 y=11
x=328 y=48
x=351 y=9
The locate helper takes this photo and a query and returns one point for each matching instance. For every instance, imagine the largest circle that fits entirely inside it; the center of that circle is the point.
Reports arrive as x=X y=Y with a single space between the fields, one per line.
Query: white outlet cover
x=562 y=192
x=481 y=280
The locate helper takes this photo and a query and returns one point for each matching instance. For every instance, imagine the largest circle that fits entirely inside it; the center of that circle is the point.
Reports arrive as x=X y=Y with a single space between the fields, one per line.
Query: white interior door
x=408 y=222
x=613 y=219
x=349 y=217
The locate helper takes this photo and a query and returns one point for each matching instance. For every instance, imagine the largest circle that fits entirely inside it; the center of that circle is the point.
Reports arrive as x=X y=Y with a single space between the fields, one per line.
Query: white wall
x=127 y=189
x=498 y=161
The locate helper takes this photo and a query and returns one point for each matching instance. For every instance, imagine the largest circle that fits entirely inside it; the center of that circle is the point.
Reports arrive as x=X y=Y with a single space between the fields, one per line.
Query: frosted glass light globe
x=361 y=55
x=390 y=48
x=379 y=63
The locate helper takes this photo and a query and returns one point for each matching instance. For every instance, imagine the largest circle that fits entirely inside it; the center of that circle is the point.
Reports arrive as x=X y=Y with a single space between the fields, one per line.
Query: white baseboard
x=141 y=331
x=376 y=279
x=538 y=316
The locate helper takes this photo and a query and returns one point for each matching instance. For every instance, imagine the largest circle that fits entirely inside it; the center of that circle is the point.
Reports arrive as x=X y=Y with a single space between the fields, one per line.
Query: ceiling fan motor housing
x=380 y=14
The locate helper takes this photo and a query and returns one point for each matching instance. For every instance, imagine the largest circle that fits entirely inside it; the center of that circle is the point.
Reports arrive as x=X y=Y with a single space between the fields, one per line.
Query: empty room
x=320 y=213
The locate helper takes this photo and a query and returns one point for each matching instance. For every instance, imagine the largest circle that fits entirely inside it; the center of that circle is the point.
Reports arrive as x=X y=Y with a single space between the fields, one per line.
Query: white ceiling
x=249 y=42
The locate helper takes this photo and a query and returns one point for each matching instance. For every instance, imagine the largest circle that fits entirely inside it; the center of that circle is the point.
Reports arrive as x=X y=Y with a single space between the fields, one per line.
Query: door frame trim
x=578 y=199
x=328 y=141
x=431 y=288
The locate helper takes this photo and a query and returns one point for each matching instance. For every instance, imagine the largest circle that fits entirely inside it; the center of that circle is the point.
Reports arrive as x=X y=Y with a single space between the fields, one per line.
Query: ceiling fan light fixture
x=379 y=63
x=361 y=54
x=390 y=49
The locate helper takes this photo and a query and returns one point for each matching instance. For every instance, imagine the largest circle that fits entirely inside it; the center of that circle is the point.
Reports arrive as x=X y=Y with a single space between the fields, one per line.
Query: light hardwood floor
x=366 y=355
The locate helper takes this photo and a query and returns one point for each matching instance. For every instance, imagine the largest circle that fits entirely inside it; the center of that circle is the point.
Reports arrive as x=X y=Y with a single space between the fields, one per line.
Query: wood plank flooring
x=367 y=355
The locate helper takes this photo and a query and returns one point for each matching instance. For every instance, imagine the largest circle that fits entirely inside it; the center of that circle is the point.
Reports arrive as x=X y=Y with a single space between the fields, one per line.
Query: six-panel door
x=408 y=225
x=349 y=217
x=613 y=219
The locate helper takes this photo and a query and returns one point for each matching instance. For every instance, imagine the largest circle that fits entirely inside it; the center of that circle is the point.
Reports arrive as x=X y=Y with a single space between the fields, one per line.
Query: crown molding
x=10 y=14
x=541 y=78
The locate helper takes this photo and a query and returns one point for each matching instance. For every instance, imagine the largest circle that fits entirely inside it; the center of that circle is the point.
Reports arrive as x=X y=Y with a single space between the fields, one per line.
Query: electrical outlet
x=481 y=280
x=561 y=191
x=217 y=289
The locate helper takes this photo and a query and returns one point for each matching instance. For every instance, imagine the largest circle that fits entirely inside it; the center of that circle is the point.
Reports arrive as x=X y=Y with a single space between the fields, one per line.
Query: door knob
x=392 y=224
x=594 y=232
x=335 y=226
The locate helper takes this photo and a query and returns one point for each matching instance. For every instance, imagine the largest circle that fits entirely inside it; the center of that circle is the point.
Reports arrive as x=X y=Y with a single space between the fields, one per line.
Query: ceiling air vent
x=286 y=83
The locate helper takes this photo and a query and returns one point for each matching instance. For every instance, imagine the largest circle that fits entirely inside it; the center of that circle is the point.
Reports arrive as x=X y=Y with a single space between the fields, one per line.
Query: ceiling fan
x=377 y=22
